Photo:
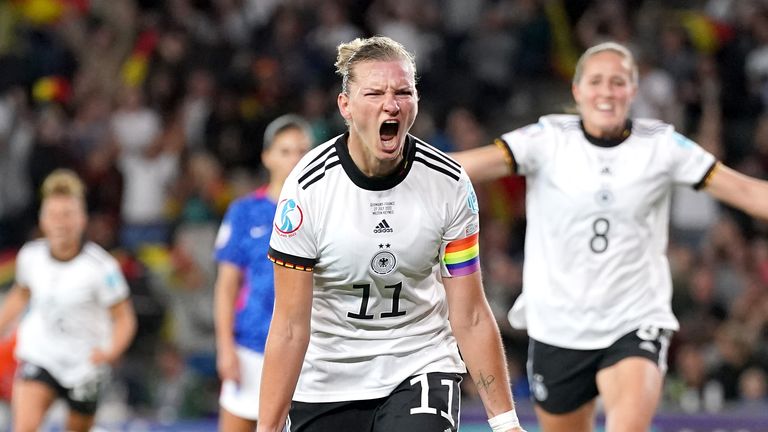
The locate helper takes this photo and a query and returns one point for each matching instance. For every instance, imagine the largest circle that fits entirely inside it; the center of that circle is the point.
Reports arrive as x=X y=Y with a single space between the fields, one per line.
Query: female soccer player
x=80 y=318
x=244 y=294
x=596 y=282
x=375 y=245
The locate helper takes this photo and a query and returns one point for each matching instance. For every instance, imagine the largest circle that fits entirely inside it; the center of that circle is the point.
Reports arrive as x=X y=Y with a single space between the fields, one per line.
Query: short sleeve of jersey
x=114 y=287
x=459 y=251
x=227 y=247
x=22 y=267
x=690 y=162
x=293 y=243
x=527 y=146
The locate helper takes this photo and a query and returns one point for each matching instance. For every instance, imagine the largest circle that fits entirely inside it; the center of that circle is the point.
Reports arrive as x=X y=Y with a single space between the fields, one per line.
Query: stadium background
x=190 y=84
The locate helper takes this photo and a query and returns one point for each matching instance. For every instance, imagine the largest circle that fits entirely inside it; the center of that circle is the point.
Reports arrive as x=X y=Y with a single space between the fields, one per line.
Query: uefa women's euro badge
x=288 y=218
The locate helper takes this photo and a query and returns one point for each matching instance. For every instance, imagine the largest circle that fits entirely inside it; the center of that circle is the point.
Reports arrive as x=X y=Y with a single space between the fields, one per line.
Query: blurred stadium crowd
x=161 y=106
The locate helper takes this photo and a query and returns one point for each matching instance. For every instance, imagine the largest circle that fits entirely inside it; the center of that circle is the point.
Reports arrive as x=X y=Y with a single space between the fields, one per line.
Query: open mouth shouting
x=388 y=135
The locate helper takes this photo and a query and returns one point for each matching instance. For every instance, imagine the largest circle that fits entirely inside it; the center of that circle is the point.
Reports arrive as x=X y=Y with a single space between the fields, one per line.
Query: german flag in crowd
x=135 y=67
x=52 y=89
x=706 y=34
x=43 y=12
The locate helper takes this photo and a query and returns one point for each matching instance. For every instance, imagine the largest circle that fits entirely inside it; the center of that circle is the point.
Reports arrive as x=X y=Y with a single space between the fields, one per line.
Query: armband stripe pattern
x=290 y=261
x=462 y=257
x=707 y=176
x=509 y=158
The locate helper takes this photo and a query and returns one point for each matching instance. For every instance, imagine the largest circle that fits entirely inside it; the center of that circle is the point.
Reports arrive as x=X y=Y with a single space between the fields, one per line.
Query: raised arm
x=738 y=190
x=487 y=163
x=286 y=345
x=479 y=340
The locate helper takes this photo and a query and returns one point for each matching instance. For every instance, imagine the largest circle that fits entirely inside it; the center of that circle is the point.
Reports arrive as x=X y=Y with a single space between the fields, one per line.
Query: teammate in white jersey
x=79 y=319
x=596 y=282
x=375 y=245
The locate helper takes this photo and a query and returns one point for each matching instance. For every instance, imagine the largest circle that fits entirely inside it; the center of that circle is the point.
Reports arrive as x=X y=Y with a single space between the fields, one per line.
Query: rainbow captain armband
x=504 y=422
x=462 y=257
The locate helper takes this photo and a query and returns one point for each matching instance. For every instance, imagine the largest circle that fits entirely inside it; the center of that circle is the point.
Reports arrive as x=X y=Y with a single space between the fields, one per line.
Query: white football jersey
x=597 y=221
x=377 y=247
x=68 y=314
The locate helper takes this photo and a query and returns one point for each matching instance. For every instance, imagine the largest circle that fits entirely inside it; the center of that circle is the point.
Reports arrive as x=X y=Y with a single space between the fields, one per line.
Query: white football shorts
x=242 y=399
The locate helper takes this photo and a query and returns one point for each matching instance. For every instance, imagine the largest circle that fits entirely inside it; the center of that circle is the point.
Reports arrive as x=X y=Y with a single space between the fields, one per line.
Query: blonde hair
x=602 y=47
x=63 y=182
x=378 y=48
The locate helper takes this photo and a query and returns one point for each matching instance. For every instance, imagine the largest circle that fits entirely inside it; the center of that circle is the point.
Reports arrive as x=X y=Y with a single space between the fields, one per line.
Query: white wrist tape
x=504 y=422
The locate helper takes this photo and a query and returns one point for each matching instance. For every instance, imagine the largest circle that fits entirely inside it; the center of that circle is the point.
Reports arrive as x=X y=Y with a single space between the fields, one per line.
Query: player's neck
x=65 y=252
x=367 y=162
x=273 y=189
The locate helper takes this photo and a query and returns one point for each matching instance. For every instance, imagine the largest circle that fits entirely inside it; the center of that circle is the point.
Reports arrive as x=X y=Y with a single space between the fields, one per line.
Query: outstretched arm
x=479 y=340
x=487 y=163
x=286 y=345
x=739 y=190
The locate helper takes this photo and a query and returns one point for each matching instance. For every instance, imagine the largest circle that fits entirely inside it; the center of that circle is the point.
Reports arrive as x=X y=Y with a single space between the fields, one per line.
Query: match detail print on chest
x=384 y=260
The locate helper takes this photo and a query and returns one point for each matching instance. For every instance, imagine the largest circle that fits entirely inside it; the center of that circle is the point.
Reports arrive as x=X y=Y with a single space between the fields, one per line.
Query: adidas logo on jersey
x=383 y=227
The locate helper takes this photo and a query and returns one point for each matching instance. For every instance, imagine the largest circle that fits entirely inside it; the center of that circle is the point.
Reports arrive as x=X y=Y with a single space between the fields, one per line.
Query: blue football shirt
x=243 y=240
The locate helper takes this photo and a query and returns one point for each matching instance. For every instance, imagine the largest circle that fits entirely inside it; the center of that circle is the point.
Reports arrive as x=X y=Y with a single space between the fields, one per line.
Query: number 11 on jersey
x=363 y=312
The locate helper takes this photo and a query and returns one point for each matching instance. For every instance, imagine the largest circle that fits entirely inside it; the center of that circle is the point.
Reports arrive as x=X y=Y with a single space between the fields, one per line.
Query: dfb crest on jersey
x=384 y=262
x=289 y=217
x=604 y=197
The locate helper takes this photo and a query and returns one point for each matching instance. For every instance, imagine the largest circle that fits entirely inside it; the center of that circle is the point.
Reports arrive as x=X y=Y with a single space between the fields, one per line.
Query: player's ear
x=343 y=102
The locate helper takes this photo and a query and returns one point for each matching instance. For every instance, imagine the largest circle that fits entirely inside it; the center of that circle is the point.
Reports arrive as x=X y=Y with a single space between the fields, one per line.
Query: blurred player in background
x=244 y=293
x=597 y=288
x=80 y=317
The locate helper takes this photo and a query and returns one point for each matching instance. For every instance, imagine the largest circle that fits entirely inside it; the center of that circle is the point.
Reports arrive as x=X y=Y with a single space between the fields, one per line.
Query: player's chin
x=390 y=149
x=59 y=238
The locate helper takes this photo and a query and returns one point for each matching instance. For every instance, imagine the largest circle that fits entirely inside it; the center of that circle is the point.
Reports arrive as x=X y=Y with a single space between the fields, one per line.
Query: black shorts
x=405 y=409
x=563 y=379
x=82 y=399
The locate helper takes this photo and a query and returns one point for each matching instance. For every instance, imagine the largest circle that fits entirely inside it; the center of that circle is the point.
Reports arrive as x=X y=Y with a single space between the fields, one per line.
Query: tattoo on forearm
x=485 y=381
